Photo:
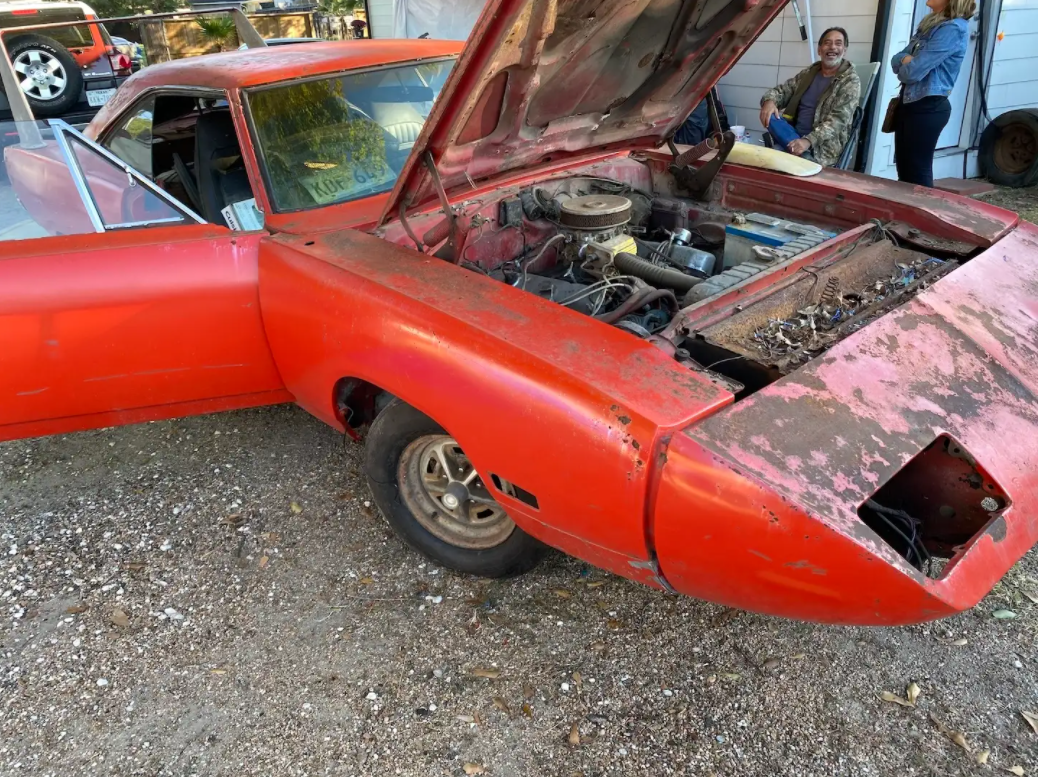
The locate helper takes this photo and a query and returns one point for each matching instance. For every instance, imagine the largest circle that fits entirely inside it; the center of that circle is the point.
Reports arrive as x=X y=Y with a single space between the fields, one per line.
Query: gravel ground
x=216 y=596
x=1023 y=201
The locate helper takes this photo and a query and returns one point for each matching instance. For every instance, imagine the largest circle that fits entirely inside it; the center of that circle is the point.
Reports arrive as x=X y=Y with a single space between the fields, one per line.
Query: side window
x=61 y=183
x=115 y=195
x=132 y=139
x=189 y=147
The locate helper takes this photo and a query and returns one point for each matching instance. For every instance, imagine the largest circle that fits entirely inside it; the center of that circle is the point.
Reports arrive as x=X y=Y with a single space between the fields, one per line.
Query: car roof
x=253 y=67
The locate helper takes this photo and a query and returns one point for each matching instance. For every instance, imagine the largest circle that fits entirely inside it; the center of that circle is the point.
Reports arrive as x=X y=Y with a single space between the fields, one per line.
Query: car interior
x=342 y=138
x=188 y=146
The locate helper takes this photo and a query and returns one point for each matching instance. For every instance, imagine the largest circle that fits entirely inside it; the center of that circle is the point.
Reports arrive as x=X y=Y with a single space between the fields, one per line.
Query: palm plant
x=217 y=29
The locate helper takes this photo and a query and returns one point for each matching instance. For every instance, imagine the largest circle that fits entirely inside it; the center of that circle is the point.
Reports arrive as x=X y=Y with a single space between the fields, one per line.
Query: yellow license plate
x=347 y=181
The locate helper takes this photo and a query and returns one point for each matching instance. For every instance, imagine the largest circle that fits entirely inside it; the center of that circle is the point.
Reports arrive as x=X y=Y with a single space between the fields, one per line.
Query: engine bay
x=741 y=296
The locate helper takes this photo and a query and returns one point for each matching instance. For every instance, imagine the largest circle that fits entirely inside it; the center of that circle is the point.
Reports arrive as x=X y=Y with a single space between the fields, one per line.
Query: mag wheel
x=433 y=497
x=47 y=73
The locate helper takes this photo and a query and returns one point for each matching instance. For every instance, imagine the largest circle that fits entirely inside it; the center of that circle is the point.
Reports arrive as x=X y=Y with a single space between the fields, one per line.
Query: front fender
x=571 y=410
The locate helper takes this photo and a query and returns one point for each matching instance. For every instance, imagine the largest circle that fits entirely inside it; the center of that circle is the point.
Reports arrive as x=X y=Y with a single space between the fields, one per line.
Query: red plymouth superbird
x=721 y=371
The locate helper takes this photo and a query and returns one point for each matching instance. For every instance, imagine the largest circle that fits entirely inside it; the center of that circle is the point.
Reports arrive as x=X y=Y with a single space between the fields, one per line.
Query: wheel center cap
x=456 y=494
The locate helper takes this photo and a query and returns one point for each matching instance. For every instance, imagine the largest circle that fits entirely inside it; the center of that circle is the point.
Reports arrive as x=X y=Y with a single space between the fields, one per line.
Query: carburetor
x=596 y=224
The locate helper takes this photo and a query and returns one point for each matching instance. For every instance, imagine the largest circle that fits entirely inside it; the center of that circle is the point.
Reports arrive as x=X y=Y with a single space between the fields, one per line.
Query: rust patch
x=804 y=564
x=997 y=530
x=624 y=419
x=871 y=419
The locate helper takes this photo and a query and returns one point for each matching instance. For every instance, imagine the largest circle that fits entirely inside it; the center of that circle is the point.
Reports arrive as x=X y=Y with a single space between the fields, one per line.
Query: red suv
x=67 y=72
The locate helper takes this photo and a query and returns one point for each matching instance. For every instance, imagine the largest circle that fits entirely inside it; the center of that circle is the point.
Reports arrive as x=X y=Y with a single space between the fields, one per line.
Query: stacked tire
x=1009 y=149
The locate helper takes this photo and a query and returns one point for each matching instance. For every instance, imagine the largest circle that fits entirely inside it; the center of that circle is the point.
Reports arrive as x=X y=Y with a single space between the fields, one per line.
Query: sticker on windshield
x=344 y=181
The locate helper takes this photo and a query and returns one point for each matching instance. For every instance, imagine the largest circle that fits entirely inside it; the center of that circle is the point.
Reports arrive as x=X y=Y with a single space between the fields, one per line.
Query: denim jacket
x=936 y=60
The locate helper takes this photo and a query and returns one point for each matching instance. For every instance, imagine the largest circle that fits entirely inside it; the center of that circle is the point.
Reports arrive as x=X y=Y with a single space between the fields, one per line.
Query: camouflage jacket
x=834 y=114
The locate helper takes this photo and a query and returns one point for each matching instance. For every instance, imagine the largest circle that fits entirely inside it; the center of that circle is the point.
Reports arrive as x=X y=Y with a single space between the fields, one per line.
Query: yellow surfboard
x=749 y=155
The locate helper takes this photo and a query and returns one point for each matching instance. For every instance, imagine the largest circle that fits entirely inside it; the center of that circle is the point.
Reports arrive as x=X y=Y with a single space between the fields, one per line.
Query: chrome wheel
x=43 y=76
x=446 y=495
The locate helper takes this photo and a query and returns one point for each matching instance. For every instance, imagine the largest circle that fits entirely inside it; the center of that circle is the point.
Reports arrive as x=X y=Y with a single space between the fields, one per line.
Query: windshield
x=342 y=138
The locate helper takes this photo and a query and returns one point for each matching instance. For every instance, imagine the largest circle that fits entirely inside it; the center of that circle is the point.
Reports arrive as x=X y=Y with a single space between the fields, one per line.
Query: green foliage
x=339 y=7
x=309 y=134
x=216 y=28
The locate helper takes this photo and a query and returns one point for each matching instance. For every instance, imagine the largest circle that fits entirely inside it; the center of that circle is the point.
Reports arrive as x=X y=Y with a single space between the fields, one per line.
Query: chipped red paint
x=605 y=75
x=638 y=464
x=784 y=471
x=135 y=325
x=490 y=364
x=233 y=71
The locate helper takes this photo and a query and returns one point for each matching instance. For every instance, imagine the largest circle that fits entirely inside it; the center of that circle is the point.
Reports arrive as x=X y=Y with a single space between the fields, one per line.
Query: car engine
x=604 y=268
x=625 y=258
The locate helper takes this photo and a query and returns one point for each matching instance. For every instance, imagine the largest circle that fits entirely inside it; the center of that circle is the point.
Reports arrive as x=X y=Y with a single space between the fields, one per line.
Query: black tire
x=389 y=458
x=1009 y=149
x=47 y=97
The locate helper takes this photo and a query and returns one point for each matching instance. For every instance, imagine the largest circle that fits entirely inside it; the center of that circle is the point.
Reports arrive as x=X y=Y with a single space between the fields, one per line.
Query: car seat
x=401 y=121
x=219 y=168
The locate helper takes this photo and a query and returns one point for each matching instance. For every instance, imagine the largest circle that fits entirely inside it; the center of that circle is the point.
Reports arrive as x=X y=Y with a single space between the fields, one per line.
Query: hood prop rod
x=455 y=236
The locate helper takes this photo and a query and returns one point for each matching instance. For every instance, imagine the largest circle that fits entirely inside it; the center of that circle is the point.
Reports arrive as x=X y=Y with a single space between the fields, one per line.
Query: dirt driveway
x=216 y=597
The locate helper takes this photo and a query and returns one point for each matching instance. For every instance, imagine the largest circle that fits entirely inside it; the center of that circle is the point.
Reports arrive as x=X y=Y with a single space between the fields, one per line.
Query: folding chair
x=867 y=75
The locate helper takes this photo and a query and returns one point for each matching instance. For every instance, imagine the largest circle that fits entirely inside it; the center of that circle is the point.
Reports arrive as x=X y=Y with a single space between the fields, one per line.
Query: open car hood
x=540 y=80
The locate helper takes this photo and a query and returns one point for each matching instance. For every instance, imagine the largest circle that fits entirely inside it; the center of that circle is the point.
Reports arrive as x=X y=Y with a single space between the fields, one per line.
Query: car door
x=118 y=303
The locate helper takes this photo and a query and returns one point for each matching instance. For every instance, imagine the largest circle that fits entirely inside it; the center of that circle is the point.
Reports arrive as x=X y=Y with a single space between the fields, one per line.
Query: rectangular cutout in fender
x=935 y=505
x=511 y=489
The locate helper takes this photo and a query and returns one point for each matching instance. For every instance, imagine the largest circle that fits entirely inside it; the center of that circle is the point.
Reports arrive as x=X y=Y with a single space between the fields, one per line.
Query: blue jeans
x=696 y=128
x=917 y=128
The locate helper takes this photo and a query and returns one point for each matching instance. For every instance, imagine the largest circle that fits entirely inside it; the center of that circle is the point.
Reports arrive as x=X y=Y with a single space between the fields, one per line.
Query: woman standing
x=927 y=69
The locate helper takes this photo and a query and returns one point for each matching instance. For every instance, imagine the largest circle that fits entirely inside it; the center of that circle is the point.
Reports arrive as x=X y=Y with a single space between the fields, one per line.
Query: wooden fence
x=167 y=39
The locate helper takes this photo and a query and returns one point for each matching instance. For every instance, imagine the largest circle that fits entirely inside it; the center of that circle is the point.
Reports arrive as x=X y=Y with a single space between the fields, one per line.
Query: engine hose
x=629 y=264
x=639 y=300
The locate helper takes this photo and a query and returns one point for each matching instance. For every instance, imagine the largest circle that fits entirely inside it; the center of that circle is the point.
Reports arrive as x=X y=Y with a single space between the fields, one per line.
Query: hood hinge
x=456 y=236
x=696 y=180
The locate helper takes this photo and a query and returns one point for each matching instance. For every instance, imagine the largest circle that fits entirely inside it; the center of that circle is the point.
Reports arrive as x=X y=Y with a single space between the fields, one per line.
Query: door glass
x=37 y=197
x=132 y=139
x=121 y=200
x=42 y=196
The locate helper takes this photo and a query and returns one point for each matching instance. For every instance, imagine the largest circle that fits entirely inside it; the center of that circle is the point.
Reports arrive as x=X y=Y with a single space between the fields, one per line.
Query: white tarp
x=441 y=20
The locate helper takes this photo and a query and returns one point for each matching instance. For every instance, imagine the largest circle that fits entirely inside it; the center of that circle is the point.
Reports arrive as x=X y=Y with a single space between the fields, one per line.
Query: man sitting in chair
x=811 y=114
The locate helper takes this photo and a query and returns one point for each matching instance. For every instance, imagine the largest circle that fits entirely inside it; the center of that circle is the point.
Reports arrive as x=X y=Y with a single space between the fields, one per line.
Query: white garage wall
x=1013 y=84
x=380 y=18
x=881 y=154
x=779 y=53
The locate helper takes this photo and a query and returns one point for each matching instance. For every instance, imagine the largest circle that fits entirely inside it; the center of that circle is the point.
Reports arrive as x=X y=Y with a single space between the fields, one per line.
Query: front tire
x=434 y=499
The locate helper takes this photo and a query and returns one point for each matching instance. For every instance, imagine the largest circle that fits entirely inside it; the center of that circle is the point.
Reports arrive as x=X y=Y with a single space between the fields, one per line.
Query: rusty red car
x=718 y=371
